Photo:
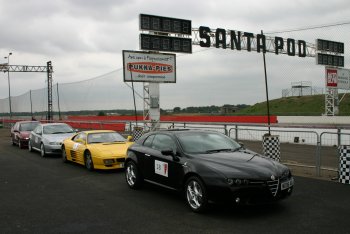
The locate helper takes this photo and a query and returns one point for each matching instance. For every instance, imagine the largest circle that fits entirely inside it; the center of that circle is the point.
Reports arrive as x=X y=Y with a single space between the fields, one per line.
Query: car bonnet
x=241 y=164
x=110 y=149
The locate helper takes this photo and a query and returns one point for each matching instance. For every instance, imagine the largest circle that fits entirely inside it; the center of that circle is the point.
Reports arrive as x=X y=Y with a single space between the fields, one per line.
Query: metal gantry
x=25 y=68
x=331 y=101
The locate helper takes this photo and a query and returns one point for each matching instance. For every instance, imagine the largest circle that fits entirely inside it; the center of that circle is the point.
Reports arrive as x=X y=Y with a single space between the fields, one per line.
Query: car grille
x=273 y=186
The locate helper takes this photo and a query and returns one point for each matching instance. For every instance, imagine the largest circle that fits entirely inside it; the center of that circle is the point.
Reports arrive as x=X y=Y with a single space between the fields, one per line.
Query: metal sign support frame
x=25 y=68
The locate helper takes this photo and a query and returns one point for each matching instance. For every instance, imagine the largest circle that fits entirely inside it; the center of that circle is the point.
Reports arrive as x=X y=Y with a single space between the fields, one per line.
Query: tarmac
x=45 y=195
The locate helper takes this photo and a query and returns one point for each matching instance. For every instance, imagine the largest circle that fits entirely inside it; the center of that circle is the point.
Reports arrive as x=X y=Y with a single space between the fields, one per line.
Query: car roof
x=28 y=121
x=175 y=132
x=47 y=124
x=179 y=131
x=97 y=131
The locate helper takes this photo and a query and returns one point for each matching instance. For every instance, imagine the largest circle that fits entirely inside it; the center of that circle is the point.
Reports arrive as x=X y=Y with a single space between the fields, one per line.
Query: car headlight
x=286 y=174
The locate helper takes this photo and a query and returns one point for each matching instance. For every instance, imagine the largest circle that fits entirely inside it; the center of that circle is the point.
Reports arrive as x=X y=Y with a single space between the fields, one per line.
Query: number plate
x=287 y=184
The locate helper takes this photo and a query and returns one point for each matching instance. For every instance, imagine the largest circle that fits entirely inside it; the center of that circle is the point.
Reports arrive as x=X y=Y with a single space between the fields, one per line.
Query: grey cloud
x=85 y=39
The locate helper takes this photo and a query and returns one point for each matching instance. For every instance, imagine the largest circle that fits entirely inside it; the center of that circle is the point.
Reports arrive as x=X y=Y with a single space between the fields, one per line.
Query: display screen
x=330 y=60
x=164 y=43
x=330 y=46
x=165 y=24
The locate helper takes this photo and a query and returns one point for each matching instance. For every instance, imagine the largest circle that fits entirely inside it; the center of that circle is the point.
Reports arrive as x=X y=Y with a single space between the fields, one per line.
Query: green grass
x=305 y=105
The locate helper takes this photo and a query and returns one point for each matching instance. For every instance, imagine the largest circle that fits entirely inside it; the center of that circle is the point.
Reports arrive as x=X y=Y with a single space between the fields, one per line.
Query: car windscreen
x=27 y=126
x=105 y=137
x=57 y=129
x=206 y=142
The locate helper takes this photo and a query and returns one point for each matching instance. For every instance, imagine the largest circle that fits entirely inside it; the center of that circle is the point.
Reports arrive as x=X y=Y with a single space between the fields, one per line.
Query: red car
x=20 y=132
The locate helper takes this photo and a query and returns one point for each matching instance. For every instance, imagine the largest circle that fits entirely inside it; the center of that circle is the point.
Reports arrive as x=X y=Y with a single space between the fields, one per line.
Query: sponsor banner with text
x=149 y=67
x=338 y=78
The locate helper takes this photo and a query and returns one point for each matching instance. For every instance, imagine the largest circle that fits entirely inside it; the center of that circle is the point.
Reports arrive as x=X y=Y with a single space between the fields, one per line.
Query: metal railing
x=314 y=148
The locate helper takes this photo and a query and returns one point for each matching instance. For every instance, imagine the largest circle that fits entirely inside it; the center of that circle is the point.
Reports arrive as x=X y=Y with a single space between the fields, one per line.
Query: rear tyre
x=132 y=175
x=89 y=164
x=196 y=195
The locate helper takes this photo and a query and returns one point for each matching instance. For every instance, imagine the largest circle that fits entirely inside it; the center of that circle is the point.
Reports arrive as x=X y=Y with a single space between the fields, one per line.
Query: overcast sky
x=84 y=39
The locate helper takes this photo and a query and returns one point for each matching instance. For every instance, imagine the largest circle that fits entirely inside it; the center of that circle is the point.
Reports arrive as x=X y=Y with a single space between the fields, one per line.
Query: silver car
x=47 y=138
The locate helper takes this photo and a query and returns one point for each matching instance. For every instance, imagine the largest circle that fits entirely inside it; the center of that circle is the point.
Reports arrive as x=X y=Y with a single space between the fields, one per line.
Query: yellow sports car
x=96 y=149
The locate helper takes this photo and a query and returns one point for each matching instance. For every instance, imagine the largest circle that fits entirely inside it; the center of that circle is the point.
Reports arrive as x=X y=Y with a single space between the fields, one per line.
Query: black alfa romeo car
x=208 y=166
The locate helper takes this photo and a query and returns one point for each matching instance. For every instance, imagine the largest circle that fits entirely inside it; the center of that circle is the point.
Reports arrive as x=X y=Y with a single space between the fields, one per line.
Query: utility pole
x=8 y=81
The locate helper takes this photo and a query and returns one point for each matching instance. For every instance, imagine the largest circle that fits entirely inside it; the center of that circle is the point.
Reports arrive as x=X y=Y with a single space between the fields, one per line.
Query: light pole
x=8 y=80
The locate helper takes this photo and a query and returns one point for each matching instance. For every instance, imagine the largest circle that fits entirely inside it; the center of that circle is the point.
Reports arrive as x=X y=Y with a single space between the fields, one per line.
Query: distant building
x=228 y=109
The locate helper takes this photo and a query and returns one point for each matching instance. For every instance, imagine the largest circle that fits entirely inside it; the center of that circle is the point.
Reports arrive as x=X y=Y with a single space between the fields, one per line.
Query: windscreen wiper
x=218 y=150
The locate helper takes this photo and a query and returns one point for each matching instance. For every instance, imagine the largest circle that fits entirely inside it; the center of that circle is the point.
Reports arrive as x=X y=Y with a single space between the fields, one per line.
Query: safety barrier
x=344 y=164
x=313 y=149
x=271 y=147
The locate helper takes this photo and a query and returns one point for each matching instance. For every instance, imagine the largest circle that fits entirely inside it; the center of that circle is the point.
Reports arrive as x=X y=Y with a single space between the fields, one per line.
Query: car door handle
x=147 y=155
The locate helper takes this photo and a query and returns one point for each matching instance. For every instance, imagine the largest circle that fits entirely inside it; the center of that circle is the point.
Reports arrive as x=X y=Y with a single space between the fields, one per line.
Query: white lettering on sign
x=161 y=168
x=332 y=78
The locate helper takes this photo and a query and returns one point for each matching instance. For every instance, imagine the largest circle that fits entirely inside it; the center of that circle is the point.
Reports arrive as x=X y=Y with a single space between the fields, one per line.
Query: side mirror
x=170 y=152
x=129 y=138
x=241 y=144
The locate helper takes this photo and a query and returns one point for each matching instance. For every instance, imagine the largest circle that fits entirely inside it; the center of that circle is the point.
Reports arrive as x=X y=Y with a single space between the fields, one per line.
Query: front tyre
x=132 y=175
x=89 y=164
x=30 y=148
x=196 y=195
x=64 y=155
x=42 y=150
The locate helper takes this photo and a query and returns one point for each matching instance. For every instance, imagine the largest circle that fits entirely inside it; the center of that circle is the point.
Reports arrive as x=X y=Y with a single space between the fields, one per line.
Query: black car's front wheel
x=132 y=175
x=196 y=196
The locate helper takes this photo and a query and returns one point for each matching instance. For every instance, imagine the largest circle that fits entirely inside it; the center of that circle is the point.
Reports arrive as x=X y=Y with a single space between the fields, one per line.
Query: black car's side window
x=148 y=141
x=162 y=142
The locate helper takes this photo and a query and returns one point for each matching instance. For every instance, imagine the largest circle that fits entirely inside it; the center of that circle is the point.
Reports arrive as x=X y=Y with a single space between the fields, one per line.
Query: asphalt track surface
x=44 y=195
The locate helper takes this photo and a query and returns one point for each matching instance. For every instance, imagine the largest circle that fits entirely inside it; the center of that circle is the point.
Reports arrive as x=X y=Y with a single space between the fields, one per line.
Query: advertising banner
x=338 y=78
x=343 y=79
x=331 y=78
x=141 y=66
